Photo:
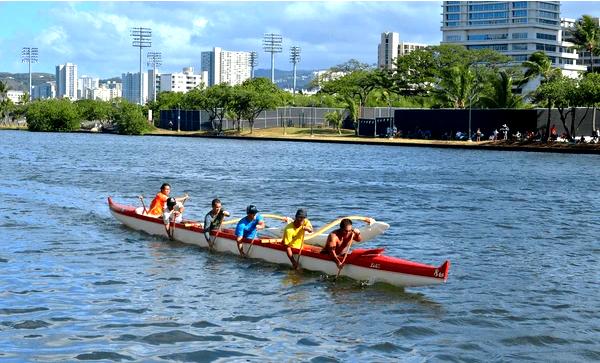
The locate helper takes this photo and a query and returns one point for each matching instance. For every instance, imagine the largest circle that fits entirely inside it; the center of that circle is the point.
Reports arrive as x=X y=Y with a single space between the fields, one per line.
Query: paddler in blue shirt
x=248 y=226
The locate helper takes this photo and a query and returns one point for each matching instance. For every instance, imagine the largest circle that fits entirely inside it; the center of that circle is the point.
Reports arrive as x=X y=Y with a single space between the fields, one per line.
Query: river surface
x=521 y=230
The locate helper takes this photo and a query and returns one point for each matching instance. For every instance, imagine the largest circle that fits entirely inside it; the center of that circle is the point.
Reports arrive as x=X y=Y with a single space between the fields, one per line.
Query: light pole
x=29 y=55
x=154 y=60
x=294 y=59
x=142 y=38
x=272 y=43
x=253 y=62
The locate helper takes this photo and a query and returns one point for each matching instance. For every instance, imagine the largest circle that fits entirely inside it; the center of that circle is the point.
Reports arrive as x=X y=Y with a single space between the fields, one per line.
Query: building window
x=519 y=13
x=488 y=22
x=493 y=15
x=546 y=21
x=453 y=9
x=519 y=46
x=453 y=38
x=519 y=20
x=545 y=36
x=496 y=47
x=519 y=57
x=545 y=47
x=547 y=6
x=453 y=17
x=451 y=23
x=519 y=4
x=487 y=36
x=488 y=7
x=547 y=14
x=519 y=35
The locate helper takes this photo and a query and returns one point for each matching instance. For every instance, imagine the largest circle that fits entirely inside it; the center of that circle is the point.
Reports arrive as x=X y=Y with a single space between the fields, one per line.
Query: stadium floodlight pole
x=253 y=62
x=272 y=43
x=29 y=55
x=142 y=38
x=294 y=59
x=154 y=60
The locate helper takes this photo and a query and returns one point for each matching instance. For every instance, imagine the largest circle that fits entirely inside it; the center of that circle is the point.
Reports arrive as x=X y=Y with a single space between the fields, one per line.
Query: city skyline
x=96 y=36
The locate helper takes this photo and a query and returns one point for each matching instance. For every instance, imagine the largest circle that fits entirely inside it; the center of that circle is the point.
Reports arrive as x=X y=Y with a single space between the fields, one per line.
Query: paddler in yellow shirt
x=293 y=234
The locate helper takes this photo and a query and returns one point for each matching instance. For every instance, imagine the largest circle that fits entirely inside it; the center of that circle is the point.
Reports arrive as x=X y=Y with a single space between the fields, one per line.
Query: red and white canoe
x=361 y=264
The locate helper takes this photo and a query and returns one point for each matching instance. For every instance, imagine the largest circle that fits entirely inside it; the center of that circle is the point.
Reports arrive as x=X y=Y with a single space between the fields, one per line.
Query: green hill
x=20 y=81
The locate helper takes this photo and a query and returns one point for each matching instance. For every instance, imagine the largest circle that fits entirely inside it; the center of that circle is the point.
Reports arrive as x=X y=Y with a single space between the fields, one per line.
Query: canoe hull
x=362 y=265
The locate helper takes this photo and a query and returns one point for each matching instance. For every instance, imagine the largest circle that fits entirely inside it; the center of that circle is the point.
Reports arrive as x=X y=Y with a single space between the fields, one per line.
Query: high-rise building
x=151 y=84
x=390 y=48
x=66 y=81
x=182 y=82
x=44 y=91
x=515 y=28
x=131 y=87
x=226 y=66
x=107 y=91
x=568 y=26
x=85 y=86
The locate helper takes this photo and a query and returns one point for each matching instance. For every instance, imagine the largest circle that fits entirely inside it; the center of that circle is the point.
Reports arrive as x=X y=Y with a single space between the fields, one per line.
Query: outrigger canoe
x=361 y=264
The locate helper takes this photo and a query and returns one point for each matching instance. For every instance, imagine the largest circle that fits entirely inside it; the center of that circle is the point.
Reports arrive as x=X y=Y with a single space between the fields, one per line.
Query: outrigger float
x=361 y=264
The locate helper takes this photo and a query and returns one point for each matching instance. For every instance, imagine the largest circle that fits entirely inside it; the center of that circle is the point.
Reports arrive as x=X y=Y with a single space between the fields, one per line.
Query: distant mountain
x=20 y=81
x=285 y=79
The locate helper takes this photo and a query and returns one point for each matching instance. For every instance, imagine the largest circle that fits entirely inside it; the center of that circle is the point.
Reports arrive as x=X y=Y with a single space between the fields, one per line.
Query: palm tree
x=501 y=95
x=587 y=36
x=540 y=65
x=458 y=86
x=3 y=90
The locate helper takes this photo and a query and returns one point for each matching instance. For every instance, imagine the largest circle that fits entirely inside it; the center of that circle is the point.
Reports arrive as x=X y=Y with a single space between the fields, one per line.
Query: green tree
x=539 y=65
x=239 y=103
x=53 y=115
x=95 y=110
x=587 y=36
x=262 y=95
x=130 y=119
x=215 y=101
x=501 y=95
x=5 y=103
x=335 y=120
x=458 y=87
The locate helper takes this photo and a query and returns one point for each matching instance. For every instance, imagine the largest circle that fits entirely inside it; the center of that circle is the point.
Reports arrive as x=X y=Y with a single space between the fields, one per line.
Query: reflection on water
x=76 y=285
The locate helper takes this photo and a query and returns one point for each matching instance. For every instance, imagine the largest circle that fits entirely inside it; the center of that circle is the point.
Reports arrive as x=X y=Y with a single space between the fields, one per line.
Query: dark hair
x=215 y=201
x=344 y=223
x=164 y=185
x=171 y=202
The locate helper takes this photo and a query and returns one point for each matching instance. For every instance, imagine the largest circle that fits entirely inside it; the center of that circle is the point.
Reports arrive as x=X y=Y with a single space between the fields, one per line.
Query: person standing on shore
x=293 y=234
x=478 y=133
x=214 y=218
x=248 y=227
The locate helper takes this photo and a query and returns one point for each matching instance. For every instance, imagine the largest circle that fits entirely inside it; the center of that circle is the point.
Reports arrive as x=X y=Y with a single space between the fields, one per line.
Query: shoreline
x=327 y=136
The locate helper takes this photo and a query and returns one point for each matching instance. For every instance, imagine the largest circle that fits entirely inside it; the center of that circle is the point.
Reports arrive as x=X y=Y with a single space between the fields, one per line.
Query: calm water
x=521 y=230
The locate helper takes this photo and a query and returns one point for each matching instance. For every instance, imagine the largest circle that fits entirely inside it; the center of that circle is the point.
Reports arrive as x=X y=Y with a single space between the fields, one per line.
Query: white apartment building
x=226 y=66
x=107 y=91
x=44 y=91
x=514 y=28
x=15 y=96
x=390 y=48
x=153 y=84
x=85 y=86
x=182 y=82
x=568 y=26
x=66 y=81
x=131 y=87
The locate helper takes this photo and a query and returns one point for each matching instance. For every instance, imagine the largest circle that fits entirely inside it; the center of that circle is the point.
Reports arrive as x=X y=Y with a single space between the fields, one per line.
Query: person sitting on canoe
x=158 y=203
x=213 y=219
x=338 y=240
x=248 y=226
x=173 y=213
x=293 y=234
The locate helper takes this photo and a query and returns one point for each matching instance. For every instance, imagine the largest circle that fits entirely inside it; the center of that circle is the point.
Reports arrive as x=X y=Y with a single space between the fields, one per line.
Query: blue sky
x=95 y=35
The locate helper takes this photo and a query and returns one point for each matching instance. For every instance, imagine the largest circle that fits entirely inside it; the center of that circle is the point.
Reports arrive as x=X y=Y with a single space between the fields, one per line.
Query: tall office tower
x=226 y=66
x=390 y=48
x=66 y=81
x=515 y=28
x=44 y=91
x=131 y=87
